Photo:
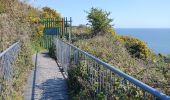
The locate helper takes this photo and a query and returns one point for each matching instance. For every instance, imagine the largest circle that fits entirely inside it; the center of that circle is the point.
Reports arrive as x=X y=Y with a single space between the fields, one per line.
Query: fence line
x=102 y=77
x=47 y=41
x=7 y=59
x=55 y=27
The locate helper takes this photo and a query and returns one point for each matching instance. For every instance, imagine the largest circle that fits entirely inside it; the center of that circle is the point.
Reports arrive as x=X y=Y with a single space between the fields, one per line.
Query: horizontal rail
x=7 y=59
x=131 y=79
x=4 y=52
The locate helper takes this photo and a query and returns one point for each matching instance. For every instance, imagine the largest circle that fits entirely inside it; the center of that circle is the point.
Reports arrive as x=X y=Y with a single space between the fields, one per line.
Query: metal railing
x=7 y=59
x=102 y=77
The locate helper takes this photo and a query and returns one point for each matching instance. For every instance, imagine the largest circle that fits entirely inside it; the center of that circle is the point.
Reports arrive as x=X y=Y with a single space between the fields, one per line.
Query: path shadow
x=45 y=54
x=54 y=89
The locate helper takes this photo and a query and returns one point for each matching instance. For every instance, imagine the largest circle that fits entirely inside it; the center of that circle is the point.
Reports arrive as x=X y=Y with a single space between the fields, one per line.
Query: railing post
x=75 y=56
x=70 y=30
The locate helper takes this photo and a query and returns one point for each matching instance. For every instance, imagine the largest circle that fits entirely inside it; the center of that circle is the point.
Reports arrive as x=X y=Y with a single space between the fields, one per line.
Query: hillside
x=126 y=53
x=112 y=50
x=13 y=21
x=14 y=27
x=20 y=22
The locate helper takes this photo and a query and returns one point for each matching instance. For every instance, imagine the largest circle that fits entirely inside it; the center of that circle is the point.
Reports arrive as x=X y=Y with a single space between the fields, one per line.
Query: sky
x=126 y=13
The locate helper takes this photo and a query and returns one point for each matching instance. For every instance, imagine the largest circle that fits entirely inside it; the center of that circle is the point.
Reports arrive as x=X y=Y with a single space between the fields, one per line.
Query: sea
x=157 y=39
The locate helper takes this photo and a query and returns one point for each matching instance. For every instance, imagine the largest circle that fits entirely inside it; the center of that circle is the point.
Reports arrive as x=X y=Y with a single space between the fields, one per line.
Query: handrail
x=126 y=76
x=2 y=53
x=7 y=58
x=131 y=79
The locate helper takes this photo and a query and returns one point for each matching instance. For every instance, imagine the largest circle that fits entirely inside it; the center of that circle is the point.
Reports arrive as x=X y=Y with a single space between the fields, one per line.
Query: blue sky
x=126 y=13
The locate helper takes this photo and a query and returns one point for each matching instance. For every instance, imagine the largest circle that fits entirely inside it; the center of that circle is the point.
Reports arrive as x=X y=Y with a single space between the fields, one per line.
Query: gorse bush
x=135 y=46
x=49 y=13
x=37 y=24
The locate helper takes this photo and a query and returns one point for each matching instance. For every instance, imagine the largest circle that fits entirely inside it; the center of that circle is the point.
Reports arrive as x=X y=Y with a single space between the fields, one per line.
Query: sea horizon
x=157 y=39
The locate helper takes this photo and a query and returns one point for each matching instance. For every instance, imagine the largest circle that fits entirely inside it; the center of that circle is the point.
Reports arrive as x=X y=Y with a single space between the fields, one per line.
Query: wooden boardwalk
x=46 y=82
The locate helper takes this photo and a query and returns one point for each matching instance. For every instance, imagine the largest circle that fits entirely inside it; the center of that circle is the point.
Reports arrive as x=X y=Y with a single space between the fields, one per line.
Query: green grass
x=36 y=47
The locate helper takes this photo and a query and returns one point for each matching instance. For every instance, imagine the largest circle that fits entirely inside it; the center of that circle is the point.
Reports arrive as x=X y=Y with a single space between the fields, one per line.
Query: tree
x=99 y=21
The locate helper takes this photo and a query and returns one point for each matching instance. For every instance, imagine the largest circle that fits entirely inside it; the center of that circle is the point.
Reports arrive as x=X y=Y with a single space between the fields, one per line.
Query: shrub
x=52 y=50
x=80 y=32
x=112 y=51
x=167 y=59
x=112 y=31
x=99 y=21
x=49 y=13
x=38 y=27
x=135 y=46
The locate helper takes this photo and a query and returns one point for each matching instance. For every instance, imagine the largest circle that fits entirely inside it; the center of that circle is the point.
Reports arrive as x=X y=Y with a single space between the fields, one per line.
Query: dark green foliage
x=101 y=96
x=52 y=50
x=167 y=59
x=74 y=83
x=77 y=82
x=99 y=21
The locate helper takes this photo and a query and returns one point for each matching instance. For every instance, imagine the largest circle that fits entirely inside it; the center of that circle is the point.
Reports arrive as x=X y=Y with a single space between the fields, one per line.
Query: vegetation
x=136 y=47
x=80 y=32
x=167 y=59
x=1 y=8
x=99 y=21
x=19 y=21
x=14 y=27
x=37 y=26
x=128 y=54
x=49 y=13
